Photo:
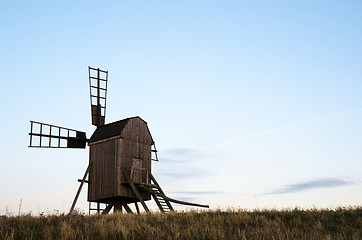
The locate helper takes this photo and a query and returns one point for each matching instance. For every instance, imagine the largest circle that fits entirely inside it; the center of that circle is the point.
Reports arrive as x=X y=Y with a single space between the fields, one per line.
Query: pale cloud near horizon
x=181 y=151
x=312 y=184
x=201 y=192
x=183 y=154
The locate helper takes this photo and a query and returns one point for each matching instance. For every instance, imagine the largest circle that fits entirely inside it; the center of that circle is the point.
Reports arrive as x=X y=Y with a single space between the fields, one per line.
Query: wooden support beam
x=126 y=207
x=183 y=202
x=138 y=210
x=108 y=208
x=134 y=188
x=174 y=200
x=80 y=180
x=118 y=206
x=80 y=188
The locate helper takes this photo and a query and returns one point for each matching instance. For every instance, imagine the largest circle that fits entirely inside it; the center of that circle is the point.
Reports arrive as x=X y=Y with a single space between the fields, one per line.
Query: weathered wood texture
x=131 y=151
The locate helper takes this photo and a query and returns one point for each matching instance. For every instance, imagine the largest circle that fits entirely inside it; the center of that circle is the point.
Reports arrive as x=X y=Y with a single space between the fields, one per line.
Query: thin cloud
x=185 y=174
x=200 y=192
x=186 y=163
x=175 y=160
x=303 y=186
x=175 y=155
x=181 y=151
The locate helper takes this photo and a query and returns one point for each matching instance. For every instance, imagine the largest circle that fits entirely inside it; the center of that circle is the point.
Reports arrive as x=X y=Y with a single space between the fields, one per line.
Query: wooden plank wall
x=102 y=172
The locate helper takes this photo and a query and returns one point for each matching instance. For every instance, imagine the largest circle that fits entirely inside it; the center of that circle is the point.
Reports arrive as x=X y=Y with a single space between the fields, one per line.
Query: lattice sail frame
x=98 y=80
x=43 y=135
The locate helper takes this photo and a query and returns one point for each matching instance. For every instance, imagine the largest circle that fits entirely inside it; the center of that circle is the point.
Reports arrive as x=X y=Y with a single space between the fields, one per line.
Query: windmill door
x=137 y=170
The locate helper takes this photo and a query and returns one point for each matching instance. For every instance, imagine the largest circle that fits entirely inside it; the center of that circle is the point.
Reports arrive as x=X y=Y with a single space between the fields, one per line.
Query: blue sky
x=252 y=104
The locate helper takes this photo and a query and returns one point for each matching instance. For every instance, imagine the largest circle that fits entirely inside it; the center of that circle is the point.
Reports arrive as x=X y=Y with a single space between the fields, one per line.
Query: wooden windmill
x=119 y=170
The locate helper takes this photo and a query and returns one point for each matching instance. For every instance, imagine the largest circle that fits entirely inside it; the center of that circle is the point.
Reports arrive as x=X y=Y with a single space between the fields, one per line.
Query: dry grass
x=339 y=223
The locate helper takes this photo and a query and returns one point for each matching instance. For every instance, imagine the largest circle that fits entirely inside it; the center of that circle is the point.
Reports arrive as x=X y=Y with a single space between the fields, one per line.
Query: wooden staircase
x=162 y=201
x=158 y=195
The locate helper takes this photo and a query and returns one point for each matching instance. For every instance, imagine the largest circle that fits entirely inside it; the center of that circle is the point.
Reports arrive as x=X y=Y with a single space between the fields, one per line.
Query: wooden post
x=135 y=191
x=80 y=188
x=117 y=206
x=108 y=208
x=126 y=207
x=138 y=210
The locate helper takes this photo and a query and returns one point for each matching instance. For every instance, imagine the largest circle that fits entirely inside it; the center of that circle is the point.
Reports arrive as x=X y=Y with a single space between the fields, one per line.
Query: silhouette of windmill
x=120 y=154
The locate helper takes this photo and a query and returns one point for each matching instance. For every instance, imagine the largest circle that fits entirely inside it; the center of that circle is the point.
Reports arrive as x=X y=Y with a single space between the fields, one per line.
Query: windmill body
x=114 y=148
x=119 y=170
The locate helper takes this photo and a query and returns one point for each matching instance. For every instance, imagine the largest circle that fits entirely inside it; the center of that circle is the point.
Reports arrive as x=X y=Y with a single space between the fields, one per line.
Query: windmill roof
x=109 y=130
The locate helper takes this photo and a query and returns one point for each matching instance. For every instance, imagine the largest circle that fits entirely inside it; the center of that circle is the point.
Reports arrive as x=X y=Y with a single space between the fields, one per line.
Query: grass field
x=341 y=223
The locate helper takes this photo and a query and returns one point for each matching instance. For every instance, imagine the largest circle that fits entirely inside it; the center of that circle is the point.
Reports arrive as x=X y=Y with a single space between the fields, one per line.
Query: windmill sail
x=44 y=135
x=98 y=93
